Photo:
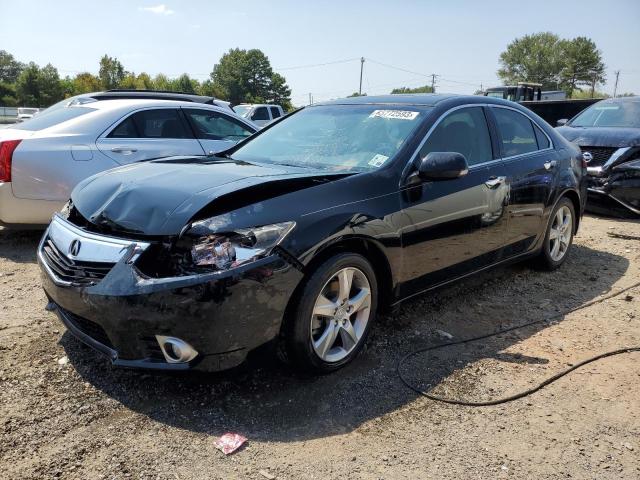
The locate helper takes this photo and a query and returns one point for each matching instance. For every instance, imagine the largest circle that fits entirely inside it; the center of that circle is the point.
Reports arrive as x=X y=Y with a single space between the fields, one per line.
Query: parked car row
x=193 y=237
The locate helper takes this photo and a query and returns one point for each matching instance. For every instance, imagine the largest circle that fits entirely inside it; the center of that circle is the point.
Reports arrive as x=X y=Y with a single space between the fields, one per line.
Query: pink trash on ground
x=229 y=442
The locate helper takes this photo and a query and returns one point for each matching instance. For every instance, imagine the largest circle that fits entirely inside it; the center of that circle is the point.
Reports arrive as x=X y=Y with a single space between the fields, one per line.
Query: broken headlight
x=225 y=248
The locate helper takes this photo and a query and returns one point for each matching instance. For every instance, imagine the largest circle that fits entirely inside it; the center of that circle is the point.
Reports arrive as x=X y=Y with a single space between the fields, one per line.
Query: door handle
x=494 y=182
x=124 y=150
x=550 y=165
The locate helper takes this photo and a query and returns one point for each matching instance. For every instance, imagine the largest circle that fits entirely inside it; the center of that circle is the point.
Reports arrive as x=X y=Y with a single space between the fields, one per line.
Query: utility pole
x=433 y=83
x=615 y=88
x=310 y=99
x=361 y=67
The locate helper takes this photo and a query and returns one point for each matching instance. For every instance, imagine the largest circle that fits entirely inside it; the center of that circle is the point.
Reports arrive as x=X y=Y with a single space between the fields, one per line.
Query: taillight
x=6 y=156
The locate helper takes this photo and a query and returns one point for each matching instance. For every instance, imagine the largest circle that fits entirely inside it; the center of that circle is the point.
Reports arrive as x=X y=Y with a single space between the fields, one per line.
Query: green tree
x=279 y=92
x=10 y=68
x=161 y=82
x=209 y=89
x=185 y=84
x=582 y=65
x=111 y=72
x=86 y=82
x=128 y=81
x=357 y=94
x=246 y=76
x=27 y=86
x=49 y=86
x=144 y=82
x=533 y=58
x=8 y=95
x=424 y=89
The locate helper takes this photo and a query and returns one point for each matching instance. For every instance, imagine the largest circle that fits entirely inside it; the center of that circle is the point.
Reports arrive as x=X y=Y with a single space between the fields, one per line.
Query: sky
x=317 y=45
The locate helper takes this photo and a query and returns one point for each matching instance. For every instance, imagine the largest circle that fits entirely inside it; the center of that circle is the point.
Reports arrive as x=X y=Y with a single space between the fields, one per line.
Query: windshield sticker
x=378 y=160
x=394 y=114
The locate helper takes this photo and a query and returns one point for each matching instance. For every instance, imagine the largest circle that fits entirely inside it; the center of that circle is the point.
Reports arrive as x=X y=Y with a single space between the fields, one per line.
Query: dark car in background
x=608 y=133
x=298 y=235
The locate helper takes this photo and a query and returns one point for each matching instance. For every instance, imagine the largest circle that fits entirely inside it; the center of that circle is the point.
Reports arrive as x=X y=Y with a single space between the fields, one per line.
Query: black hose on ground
x=529 y=391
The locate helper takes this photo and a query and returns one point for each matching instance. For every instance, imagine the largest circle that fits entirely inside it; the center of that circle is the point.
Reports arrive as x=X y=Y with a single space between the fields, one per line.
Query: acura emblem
x=587 y=157
x=74 y=248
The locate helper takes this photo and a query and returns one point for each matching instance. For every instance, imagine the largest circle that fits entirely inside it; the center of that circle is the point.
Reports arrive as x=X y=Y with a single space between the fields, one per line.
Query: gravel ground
x=66 y=413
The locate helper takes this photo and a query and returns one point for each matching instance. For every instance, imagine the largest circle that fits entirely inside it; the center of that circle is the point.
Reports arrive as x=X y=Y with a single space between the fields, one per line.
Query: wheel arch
x=370 y=249
x=575 y=199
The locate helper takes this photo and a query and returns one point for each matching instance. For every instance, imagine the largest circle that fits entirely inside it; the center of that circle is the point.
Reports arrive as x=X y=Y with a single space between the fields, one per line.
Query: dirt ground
x=66 y=413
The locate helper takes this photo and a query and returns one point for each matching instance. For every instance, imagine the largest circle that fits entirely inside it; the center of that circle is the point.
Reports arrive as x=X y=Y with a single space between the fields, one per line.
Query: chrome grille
x=73 y=271
x=600 y=154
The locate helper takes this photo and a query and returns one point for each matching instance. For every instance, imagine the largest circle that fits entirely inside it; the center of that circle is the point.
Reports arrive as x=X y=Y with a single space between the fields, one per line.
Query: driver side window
x=463 y=131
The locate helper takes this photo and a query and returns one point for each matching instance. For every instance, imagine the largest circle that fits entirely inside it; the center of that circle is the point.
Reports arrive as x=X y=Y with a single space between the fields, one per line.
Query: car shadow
x=19 y=246
x=264 y=400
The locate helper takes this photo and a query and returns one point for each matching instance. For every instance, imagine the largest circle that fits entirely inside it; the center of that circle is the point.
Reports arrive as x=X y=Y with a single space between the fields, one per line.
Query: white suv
x=259 y=114
x=43 y=158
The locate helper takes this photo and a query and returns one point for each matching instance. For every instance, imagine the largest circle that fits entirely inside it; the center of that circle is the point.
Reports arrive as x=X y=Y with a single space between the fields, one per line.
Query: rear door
x=147 y=134
x=453 y=227
x=216 y=131
x=531 y=169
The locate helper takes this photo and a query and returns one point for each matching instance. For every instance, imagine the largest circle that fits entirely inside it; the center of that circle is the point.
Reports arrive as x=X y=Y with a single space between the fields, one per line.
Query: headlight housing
x=223 y=248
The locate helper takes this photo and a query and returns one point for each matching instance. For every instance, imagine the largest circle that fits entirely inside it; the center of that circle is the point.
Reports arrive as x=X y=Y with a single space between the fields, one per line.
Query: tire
x=320 y=334
x=554 y=254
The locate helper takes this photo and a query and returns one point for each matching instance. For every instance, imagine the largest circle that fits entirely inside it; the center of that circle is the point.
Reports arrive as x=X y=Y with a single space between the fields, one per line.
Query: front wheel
x=332 y=316
x=559 y=236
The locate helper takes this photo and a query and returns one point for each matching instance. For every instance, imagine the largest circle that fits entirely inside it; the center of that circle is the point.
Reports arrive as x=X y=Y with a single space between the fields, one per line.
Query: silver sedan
x=42 y=159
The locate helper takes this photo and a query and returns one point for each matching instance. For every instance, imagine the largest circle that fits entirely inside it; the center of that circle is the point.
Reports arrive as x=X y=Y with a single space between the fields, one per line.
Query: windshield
x=242 y=110
x=610 y=114
x=350 y=138
x=499 y=94
x=49 y=118
x=27 y=111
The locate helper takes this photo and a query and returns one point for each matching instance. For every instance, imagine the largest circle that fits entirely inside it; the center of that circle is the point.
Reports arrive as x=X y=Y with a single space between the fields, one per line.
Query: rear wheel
x=559 y=236
x=331 y=319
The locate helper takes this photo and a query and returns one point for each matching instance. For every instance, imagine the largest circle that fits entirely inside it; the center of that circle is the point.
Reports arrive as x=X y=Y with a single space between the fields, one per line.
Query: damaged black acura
x=608 y=133
x=297 y=236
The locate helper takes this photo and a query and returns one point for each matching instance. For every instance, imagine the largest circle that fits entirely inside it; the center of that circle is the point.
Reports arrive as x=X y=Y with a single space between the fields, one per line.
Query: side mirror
x=562 y=122
x=443 y=166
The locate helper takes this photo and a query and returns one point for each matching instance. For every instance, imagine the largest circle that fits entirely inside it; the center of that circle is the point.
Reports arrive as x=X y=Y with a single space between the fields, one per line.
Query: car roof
x=426 y=99
x=418 y=99
x=634 y=98
x=114 y=104
x=151 y=94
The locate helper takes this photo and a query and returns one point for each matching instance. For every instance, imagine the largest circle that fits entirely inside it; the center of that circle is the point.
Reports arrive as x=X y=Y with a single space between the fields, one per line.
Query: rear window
x=49 y=119
x=275 y=112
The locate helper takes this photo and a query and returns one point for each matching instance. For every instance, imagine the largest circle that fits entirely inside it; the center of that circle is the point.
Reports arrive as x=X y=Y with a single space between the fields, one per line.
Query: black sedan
x=300 y=234
x=608 y=133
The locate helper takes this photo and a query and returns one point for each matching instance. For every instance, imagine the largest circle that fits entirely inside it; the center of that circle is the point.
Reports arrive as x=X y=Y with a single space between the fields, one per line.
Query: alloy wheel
x=560 y=233
x=340 y=314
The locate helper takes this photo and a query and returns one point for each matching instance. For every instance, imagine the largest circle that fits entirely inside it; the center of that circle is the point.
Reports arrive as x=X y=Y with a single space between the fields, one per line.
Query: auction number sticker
x=378 y=160
x=394 y=114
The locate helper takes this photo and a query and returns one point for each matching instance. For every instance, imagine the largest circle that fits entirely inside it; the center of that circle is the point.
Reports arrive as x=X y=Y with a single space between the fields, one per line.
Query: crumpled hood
x=160 y=197
x=601 y=136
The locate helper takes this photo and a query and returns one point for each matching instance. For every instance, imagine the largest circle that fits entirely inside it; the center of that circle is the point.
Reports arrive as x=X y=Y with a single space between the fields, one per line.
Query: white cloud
x=161 y=9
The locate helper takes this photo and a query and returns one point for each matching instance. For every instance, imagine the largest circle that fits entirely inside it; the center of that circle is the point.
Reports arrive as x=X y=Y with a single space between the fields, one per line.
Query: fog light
x=176 y=350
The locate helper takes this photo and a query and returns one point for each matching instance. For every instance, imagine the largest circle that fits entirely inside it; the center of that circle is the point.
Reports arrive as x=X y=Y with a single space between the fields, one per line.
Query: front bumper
x=222 y=315
x=614 y=194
